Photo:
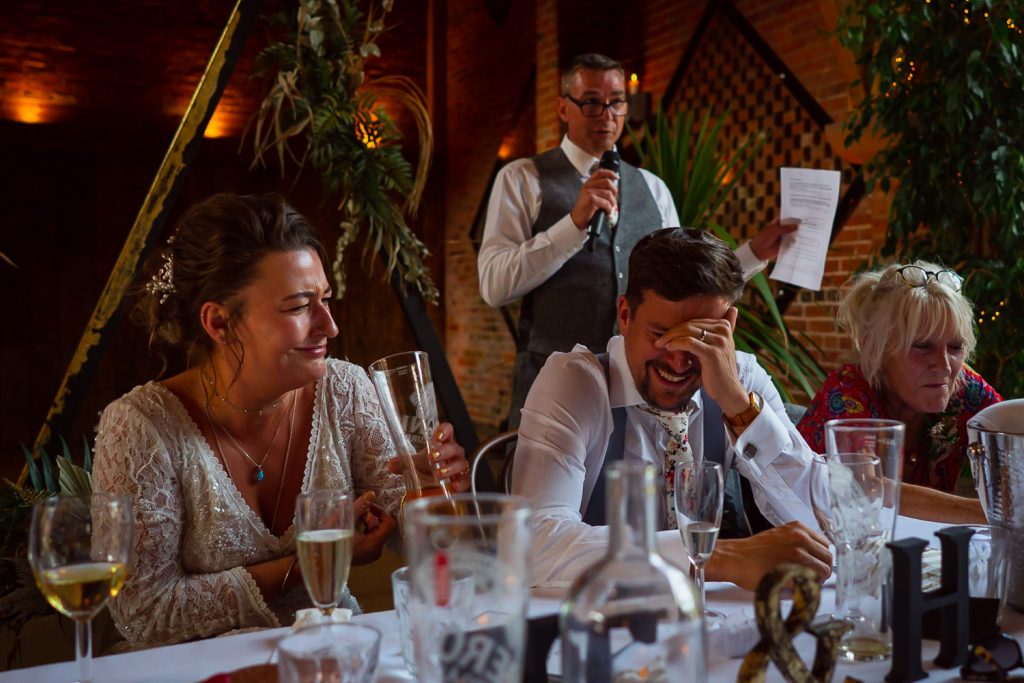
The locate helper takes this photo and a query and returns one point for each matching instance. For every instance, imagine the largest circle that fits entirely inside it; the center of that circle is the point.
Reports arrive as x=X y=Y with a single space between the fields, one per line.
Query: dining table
x=727 y=640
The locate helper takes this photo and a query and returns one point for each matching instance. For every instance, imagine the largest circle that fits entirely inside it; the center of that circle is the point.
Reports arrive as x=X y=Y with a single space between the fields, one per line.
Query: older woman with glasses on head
x=913 y=331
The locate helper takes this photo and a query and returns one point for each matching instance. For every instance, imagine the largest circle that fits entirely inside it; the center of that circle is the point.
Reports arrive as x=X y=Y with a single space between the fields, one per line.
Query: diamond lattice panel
x=727 y=73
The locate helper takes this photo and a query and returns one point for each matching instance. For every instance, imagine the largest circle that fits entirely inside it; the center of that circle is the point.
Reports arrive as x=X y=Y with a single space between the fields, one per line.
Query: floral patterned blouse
x=945 y=466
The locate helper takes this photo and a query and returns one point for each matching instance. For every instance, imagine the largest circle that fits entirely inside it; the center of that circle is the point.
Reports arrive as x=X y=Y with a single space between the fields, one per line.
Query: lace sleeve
x=370 y=446
x=160 y=602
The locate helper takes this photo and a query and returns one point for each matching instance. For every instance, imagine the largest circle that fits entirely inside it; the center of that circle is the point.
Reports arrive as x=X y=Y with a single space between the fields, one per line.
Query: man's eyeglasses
x=992 y=659
x=916 y=276
x=593 y=108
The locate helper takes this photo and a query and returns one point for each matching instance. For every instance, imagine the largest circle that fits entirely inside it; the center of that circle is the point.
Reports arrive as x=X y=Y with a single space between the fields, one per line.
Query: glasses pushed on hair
x=915 y=276
x=593 y=108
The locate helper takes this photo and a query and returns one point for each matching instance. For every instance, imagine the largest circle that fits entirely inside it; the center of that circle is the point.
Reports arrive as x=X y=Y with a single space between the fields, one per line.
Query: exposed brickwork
x=654 y=36
x=548 y=74
x=125 y=72
x=488 y=75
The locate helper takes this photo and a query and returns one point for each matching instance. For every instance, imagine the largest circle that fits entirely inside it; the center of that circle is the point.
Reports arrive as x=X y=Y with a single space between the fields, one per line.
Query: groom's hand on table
x=744 y=561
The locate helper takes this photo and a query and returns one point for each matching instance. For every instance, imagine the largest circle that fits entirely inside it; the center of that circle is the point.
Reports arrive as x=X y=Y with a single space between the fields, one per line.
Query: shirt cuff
x=750 y=264
x=566 y=237
x=763 y=439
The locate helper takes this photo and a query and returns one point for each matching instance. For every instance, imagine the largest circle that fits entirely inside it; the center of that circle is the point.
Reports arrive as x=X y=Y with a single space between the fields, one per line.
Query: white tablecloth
x=192 y=662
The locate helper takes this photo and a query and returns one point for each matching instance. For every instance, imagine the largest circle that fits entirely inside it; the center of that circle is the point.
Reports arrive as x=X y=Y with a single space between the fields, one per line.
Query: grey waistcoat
x=576 y=305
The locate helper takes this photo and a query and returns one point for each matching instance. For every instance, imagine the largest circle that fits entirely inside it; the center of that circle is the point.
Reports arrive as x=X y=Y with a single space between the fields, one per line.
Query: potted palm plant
x=701 y=175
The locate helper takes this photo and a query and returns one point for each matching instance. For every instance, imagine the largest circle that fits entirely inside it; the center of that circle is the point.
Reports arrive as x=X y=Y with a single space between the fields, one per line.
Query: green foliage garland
x=322 y=110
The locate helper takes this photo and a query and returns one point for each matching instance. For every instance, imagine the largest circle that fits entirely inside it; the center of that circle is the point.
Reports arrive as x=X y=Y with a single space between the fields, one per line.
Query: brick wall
x=548 y=75
x=488 y=71
x=652 y=38
x=124 y=71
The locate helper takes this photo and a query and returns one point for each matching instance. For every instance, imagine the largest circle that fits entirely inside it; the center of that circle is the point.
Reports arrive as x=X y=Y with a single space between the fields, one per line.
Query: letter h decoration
x=951 y=601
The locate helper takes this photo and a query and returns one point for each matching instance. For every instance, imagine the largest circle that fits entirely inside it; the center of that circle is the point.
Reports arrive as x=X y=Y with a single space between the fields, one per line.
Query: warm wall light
x=219 y=125
x=33 y=99
x=505 y=151
x=27 y=110
x=634 y=84
x=369 y=132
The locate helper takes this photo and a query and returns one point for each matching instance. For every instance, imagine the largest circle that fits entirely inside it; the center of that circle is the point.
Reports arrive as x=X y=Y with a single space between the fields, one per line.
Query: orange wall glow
x=221 y=125
x=27 y=110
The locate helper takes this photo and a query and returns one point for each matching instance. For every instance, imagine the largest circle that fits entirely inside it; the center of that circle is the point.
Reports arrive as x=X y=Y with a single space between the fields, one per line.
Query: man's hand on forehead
x=683 y=336
x=710 y=341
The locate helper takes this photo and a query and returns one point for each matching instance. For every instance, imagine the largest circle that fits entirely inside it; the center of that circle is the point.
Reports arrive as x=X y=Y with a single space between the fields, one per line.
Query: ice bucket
x=996 y=450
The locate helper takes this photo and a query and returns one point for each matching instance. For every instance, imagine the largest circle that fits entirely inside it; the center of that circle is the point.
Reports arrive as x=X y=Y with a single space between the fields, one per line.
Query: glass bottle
x=632 y=615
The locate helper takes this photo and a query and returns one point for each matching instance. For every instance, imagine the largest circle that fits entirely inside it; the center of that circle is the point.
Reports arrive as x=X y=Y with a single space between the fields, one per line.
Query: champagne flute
x=820 y=498
x=699 y=494
x=78 y=549
x=324 y=541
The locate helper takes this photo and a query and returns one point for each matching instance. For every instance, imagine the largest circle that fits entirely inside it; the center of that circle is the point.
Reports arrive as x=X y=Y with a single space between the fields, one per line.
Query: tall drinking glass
x=881 y=438
x=699 y=495
x=482 y=540
x=78 y=550
x=407 y=400
x=860 y=531
x=324 y=538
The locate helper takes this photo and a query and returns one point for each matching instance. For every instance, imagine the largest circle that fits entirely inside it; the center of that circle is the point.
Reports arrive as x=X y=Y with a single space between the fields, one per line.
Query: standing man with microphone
x=542 y=211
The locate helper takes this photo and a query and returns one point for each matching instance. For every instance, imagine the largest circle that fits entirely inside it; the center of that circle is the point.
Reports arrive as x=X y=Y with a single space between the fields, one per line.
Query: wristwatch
x=748 y=415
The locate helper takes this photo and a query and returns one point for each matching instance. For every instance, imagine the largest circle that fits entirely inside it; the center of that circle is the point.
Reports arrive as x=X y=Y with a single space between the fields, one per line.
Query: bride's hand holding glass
x=445 y=457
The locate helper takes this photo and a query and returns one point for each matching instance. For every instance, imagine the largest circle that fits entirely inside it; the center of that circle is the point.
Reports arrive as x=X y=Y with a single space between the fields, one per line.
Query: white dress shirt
x=567 y=423
x=513 y=262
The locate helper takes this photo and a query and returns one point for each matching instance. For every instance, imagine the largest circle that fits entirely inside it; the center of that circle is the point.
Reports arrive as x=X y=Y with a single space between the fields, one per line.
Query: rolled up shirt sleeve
x=512 y=261
x=550 y=467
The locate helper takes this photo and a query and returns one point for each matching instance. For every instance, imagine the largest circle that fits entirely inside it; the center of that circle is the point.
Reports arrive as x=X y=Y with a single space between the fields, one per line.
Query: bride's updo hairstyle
x=211 y=256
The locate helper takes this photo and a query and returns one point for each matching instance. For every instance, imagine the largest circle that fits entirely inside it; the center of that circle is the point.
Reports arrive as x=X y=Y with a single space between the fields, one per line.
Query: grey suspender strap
x=740 y=515
x=714 y=430
x=595 y=512
x=733 y=521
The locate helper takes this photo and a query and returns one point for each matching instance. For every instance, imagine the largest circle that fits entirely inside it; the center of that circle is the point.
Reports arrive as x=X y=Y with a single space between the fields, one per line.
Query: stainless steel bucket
x=996 y=450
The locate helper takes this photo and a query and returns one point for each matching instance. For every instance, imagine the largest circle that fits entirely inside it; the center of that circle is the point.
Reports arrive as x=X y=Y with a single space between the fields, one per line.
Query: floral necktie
x=677 y=451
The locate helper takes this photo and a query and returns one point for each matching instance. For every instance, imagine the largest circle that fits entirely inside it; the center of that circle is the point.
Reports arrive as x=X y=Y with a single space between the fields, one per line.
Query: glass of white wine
x=699 y=494
x=78 y=550
x=324 y=542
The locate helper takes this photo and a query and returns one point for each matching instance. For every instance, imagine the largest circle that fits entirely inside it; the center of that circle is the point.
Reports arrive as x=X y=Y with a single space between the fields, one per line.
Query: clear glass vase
x=632 y=615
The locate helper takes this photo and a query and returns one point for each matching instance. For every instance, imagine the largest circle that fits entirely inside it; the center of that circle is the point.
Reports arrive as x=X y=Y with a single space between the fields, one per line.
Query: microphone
x=610 y=161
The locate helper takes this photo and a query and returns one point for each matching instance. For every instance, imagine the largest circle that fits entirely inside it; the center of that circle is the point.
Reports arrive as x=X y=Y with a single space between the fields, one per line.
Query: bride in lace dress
x=214 y=457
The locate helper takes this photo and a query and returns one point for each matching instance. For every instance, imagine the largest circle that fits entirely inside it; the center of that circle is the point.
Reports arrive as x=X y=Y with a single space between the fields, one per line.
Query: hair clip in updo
x=162 y=282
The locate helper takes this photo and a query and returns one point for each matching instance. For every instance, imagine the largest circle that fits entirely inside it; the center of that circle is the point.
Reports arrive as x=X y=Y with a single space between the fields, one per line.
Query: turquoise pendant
x=258 y=476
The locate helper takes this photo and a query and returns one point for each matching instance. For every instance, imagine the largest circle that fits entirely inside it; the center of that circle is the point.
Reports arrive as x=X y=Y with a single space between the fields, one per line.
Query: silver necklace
x=258 y=474
x=284 y=469
x=212 y=381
